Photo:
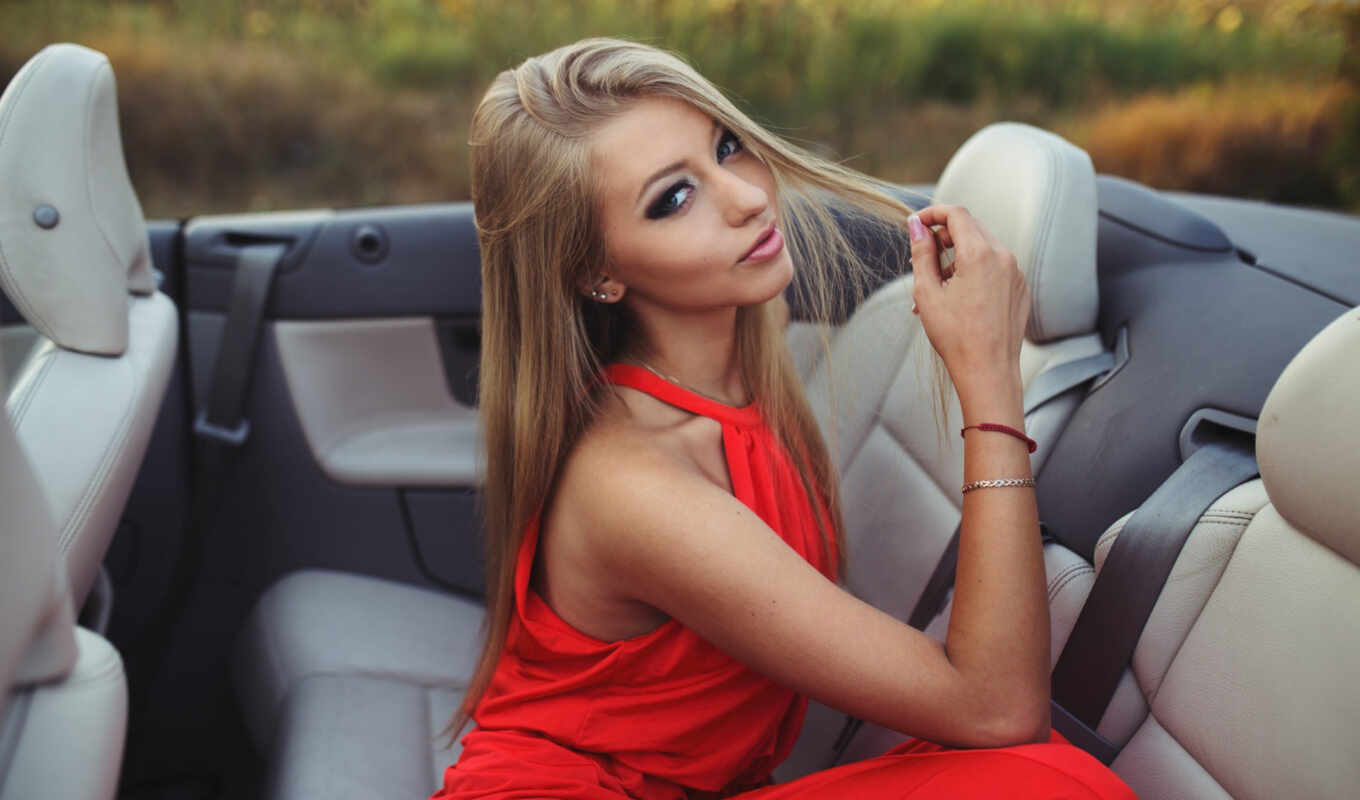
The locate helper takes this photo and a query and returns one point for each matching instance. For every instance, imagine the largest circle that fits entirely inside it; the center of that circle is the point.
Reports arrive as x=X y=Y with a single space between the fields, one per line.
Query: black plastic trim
x=1144 y=210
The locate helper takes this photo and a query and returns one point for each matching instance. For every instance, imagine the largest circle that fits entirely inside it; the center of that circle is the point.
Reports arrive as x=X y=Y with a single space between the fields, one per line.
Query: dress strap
x=644 y=380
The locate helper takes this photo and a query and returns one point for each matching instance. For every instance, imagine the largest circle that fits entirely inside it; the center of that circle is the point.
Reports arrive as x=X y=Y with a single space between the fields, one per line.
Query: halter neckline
x=672 y=393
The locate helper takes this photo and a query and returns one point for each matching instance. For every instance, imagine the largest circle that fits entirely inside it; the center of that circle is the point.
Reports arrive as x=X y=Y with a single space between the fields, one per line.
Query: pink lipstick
x=766 y=247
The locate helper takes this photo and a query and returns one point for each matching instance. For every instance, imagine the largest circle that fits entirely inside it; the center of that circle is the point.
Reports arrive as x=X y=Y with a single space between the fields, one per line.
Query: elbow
x=1015 y=723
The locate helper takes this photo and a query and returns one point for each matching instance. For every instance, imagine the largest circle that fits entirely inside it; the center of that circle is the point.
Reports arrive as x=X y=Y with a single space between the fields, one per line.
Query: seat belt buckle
x=234 y=436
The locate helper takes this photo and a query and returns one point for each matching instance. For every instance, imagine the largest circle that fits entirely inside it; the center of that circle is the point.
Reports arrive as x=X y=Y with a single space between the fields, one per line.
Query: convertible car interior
x=239 y=468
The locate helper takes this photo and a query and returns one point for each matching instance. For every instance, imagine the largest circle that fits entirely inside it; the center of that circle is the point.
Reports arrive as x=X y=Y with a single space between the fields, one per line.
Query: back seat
x=1243 y=681
x=345 y=681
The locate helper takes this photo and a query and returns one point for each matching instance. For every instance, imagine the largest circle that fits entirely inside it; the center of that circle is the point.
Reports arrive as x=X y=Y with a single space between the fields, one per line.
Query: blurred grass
x=245 y=104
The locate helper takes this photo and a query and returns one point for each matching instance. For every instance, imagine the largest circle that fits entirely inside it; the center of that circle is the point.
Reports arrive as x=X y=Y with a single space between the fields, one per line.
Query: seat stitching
x=1061 y=574
x=1064 y=572
x=28 y=384
x=910 y=456
x=1075 y=573
x=1037 y=249
x=16 y=291
x=1198 y=761
x=97 y=481
x=1152 y=698
x=89 y=172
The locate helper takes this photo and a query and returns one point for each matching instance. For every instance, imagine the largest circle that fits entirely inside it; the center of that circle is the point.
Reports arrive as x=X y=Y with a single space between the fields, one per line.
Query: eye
x=671 y=200
x=728 y=145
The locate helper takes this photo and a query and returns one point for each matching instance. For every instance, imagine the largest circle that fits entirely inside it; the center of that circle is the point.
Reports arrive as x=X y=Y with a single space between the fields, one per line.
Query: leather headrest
x=1308 y=443
x=1036 y=193
x=72 y=236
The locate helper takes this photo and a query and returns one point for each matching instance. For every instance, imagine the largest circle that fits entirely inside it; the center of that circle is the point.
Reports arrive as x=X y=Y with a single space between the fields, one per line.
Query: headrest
x=1308 y=443
x=72 y=237
x=1036 y=193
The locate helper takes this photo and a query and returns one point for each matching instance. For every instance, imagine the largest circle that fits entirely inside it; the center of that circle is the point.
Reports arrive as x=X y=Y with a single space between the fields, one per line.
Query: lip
x=766 y=246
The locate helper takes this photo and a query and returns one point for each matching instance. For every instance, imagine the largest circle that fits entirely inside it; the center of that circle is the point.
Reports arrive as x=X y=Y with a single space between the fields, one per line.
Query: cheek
x=683 y=248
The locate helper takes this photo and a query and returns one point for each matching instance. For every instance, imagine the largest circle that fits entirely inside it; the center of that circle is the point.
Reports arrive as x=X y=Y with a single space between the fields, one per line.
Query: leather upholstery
x=62 y=688
x=70 y=744
x=36 y=642
x=1308 y=444
x=86 y=421
x=1037 y=194
x=1246 y=670
x=69 y=281
x=348 y=737
x=84 y=401
x=321 y=622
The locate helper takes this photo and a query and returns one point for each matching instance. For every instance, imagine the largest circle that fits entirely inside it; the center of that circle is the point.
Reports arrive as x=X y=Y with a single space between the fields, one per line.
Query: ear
x=604 y=290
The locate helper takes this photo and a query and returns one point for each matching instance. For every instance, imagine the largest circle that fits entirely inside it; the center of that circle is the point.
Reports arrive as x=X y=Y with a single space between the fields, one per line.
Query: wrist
x=992 y=396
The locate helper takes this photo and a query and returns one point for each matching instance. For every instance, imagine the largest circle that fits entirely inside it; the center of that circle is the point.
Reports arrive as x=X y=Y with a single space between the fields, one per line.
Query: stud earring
x=599 y=294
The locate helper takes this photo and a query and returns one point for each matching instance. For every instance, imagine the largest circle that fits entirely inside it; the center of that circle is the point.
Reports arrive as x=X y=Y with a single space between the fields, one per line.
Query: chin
x=774 y=277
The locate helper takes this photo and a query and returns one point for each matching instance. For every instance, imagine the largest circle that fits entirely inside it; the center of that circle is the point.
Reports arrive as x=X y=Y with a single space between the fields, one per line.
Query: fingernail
x=913 y=309
x=915 y=228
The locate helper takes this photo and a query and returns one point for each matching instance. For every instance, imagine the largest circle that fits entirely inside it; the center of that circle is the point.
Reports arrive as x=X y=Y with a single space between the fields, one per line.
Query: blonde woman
x=661 y=514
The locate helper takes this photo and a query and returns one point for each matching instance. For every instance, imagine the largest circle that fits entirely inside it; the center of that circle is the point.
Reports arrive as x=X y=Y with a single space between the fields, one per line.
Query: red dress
x=666 y=715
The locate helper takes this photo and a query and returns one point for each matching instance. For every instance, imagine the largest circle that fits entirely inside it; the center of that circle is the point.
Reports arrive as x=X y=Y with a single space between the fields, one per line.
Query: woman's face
x=683 y=207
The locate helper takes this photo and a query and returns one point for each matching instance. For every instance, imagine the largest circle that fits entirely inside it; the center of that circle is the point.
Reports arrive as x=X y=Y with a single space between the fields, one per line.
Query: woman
x=661 y=513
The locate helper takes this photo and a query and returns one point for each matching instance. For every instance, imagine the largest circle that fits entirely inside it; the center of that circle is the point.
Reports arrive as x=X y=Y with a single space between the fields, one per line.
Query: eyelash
x=665 y=205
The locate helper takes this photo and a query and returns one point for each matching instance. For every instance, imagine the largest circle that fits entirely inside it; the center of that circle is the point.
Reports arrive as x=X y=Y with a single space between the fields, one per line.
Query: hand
x=975 y=317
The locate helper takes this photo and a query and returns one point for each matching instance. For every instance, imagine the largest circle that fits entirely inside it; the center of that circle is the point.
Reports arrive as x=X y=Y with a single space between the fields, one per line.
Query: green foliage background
x=237 y=104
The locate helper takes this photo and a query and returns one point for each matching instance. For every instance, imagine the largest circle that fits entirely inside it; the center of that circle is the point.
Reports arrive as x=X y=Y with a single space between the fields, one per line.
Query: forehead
x=654 y=132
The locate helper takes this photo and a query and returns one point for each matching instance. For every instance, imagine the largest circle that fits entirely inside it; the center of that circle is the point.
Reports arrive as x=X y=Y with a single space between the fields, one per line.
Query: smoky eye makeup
x=671 y=200
x=677 y=194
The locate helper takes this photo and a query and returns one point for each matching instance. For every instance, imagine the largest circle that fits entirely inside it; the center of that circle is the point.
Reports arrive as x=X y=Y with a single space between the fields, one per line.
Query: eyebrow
x=668 y=168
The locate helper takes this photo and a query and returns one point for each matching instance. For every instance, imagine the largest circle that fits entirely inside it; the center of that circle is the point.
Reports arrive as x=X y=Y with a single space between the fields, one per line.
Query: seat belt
x=222 y=418
x=220 y=429
x=1064 y=377
x=1121 y=600
x=1049 y=384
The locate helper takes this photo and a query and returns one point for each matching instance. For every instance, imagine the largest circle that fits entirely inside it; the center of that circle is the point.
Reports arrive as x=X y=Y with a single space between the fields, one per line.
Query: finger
x=955 y=221
x=942 y=238
x=925 y=258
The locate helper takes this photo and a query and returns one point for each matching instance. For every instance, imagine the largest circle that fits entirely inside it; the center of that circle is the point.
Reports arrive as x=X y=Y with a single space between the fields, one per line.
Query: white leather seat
x=393 y=638
x=344 y=679
x=75 y=262
x=1243 y=681
x=62 y=689
x=900 y=474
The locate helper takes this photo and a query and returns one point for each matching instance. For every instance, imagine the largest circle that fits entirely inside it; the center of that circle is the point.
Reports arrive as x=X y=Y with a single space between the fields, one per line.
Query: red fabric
x=666 y=715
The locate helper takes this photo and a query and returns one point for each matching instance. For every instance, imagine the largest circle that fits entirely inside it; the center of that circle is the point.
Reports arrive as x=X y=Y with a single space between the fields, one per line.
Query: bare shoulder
x=640 y=457
x=631 y=470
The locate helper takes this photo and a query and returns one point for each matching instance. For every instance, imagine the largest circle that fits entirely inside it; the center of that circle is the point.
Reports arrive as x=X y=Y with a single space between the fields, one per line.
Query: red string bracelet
x=992 y=426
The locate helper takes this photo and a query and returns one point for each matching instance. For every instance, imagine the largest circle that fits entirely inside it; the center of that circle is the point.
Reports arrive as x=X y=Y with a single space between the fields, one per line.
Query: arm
x=976 y=321
x=681 y=544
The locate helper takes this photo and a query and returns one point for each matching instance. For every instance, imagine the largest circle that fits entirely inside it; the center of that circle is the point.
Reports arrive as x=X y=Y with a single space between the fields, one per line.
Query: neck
x=697 y=350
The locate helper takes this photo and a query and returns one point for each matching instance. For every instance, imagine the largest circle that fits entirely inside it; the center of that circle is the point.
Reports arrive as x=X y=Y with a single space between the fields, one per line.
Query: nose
x=742 y=199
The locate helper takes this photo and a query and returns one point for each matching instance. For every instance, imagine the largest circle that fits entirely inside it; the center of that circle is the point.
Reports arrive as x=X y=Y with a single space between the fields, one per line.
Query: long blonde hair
x=543 y=343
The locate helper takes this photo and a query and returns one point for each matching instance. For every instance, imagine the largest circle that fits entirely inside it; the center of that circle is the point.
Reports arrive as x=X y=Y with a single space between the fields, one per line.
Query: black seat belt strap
x=1121 y=601
x=1060 y=379
x=222 y=417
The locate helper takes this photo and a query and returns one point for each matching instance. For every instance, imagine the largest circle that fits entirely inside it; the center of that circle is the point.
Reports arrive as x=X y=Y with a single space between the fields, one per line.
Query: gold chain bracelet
x=968 y=487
